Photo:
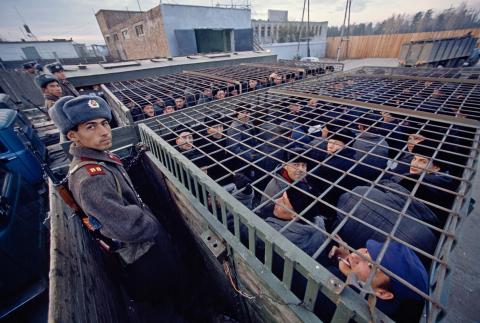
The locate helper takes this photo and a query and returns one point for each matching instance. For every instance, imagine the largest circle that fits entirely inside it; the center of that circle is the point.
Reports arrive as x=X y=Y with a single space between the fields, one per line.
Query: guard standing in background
x=67 y=88
x=50 y=88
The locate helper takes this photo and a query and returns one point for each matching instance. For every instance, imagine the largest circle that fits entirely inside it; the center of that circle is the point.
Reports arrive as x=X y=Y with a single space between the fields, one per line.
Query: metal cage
x=412 y=169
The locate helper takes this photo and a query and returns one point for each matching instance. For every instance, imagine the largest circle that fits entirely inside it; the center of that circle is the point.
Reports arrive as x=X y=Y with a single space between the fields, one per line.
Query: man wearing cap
x=50 y=87
x=67 y=88
x=394 y=298
x=437 y=186
x=296 y=204
x=29 y=68
x=104 y=191
x=292 y=171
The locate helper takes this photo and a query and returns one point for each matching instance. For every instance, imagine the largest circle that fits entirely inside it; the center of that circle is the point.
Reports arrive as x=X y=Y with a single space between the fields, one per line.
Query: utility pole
x=345 y=28
x=308 y=28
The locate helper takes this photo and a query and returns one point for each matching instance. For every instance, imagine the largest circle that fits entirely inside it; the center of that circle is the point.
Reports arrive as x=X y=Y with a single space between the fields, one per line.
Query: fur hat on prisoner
x=43 y=80
x=70 y=111
x=297 y=195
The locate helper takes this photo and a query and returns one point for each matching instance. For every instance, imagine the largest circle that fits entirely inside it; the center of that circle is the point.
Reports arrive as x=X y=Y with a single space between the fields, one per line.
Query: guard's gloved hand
x=242 y=181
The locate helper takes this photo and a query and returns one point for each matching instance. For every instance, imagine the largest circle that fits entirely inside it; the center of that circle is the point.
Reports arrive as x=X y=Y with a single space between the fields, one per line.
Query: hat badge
x=93 y=104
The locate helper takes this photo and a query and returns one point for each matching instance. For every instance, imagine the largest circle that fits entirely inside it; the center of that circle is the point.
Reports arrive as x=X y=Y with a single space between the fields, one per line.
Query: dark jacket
x=239 y=136
x=304 y=236
x=357 y=234
x=68 y=89
x=271 y=144
x=365 y=143
x=106 y=194
x=50 y=100
x=431 y=194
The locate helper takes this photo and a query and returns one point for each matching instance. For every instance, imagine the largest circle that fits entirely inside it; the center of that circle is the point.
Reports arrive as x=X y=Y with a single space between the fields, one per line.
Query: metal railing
x=283 y=126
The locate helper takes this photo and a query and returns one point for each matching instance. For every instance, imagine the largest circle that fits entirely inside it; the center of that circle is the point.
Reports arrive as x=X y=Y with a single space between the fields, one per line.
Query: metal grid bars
x=264 y=74
x=367 y=196
x=471 y=73
x=154 y=96
x=314 y=67
x=448 y=97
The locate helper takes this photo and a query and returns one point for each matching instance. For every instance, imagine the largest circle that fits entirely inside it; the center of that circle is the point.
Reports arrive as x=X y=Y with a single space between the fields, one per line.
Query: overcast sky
x=75 y=19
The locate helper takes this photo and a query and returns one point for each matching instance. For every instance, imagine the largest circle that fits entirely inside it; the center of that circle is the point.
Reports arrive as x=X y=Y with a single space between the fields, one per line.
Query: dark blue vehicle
x=23 y=207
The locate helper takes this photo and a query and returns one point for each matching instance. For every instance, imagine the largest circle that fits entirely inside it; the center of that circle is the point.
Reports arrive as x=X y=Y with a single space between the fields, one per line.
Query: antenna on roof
x=139 y=8
x=347 y=28
x=30 y=34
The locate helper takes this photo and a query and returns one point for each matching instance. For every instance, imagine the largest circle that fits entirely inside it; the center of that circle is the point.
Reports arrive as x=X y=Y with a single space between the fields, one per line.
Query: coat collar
x=88 y=153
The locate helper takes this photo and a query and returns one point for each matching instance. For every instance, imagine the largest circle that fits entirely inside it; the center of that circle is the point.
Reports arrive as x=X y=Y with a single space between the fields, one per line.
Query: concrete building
x=36 y=50
x=267 y=32
x=282 y=37
x=175 y=30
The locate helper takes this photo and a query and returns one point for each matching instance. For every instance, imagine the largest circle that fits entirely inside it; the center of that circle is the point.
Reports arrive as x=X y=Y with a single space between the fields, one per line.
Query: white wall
x=289 y=50
x=196 y=17
x=13 y=51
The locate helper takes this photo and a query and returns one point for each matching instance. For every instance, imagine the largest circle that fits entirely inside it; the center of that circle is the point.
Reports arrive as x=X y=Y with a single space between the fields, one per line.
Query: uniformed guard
x=50 y=87
x=57 y=70
x=104 y=191
x=29 y=67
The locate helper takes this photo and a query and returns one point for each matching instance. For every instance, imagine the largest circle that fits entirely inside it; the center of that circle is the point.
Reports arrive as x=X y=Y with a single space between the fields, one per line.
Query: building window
x=262 y=31
x=125 y=34
x=139 y=30
x=107 y=39
x=115 y=36
x=268 y=31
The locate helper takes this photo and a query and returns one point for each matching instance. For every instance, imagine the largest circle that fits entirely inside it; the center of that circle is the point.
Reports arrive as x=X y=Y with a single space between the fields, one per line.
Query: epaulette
x=94 y=169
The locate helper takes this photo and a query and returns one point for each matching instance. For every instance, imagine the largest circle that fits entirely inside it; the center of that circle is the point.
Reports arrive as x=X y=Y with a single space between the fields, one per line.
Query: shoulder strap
x=92 y=162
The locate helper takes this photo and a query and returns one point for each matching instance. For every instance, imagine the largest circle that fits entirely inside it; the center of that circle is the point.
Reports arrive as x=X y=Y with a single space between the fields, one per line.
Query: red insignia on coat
x=94 y=170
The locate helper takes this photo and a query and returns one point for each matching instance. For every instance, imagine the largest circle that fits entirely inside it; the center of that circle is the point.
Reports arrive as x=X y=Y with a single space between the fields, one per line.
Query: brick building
x=175 y=30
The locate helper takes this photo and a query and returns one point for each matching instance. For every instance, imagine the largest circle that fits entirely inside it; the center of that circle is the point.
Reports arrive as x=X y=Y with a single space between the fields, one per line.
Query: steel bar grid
x=149 y=97
x=256 y=135
x=441 y=97
x=471 y=73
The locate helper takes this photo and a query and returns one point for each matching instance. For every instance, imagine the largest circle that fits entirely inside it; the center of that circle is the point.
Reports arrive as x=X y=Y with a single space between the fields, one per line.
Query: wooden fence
x=385 y=45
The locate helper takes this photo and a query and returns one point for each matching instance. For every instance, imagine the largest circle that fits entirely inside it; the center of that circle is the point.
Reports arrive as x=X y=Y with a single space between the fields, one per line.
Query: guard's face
x=94 y=134
x=179 y=103
x=60 y=75
x=334 y=145
x=296 y=171
x=148 y=110
x=54 y=89
x=283 y=209
x=185 y=141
